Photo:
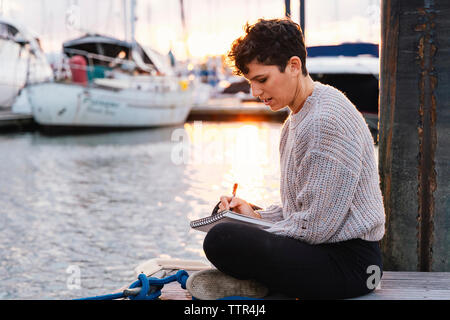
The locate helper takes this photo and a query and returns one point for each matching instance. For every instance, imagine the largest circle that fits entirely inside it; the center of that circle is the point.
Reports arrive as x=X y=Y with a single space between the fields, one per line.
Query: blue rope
x=150 y=287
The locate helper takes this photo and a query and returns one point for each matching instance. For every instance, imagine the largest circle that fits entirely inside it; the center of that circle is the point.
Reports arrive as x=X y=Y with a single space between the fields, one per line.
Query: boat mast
x=125 y=19
x=133 y=22
x=185 y=34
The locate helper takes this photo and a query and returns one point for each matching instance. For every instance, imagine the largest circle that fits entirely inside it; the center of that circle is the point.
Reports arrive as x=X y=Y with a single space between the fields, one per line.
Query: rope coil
x=145 y=288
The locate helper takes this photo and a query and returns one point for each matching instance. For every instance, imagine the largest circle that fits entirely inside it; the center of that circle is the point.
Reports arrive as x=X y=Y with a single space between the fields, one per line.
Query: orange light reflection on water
x=246 y=153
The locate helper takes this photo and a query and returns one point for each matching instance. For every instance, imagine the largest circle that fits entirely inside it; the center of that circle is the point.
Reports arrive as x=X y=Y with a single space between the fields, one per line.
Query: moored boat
x=107 y=104
x=352 y=68
x=21 y=60
x=115 y=84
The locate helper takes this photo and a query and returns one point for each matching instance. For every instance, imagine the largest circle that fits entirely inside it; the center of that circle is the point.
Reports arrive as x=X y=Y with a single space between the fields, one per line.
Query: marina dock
x=233 y=109
x=104 y=165
x=216 y=109
x=393 y=286
x=10 y=121
x=223 y=109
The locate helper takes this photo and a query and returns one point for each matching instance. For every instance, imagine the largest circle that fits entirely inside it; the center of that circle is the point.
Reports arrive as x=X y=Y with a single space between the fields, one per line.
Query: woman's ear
x=295 y=65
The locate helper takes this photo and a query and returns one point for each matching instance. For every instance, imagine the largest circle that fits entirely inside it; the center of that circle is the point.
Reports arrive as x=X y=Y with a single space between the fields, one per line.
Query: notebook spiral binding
x=207 y=220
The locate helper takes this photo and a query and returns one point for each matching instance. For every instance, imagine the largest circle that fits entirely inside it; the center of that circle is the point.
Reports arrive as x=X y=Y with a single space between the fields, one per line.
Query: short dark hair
x=271 y=42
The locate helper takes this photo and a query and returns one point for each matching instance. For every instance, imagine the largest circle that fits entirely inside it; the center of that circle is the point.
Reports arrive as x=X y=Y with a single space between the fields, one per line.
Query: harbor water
x=79 y=212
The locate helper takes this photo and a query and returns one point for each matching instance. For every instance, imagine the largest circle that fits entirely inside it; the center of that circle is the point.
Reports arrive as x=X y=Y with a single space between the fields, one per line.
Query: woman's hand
x=238 y=205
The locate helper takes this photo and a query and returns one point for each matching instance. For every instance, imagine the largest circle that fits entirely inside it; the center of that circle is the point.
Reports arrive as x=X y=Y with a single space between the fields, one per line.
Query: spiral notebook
x=204 y=224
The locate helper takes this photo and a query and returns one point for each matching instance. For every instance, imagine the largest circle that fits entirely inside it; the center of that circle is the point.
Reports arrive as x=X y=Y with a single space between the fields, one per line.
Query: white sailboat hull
x=63 y=104
x=13 y=70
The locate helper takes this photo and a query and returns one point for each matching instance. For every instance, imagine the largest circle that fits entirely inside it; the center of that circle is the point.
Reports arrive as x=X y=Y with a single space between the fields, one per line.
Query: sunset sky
x=211 y=25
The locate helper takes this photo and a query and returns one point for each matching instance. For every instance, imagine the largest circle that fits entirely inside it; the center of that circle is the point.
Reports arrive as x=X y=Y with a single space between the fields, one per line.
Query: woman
x=326 y=233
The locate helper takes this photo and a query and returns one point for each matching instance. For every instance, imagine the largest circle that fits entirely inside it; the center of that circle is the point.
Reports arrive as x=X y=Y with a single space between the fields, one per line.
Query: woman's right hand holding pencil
x=237 y=205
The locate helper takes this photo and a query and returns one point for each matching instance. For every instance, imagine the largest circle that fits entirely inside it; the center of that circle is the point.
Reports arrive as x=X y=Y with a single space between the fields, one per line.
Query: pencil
x=234 y=189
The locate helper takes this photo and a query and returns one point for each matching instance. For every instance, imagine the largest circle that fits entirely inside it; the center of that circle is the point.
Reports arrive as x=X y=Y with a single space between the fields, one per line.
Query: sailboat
x=21 y=60
x=114 y=84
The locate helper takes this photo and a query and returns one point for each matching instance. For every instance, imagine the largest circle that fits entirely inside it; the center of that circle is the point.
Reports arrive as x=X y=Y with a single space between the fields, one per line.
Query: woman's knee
x=236 y=241
x=218 y=239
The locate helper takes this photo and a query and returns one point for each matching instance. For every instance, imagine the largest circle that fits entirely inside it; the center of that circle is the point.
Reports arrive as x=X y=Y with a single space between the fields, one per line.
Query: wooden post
x=414 y=134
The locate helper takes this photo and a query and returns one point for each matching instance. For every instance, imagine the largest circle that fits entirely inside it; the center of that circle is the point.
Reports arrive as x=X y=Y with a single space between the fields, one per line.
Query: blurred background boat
x=113 y=84
x=352 y=68
x=21 y=60
x=101 y=82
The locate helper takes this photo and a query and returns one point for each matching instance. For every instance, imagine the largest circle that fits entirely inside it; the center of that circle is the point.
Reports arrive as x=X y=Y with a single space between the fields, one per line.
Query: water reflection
x=224 y=153
x=118 y=138
x=106 y=202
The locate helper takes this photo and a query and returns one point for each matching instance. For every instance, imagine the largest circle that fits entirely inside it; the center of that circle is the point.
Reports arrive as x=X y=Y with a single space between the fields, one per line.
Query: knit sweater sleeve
x=324 y=200
x=327 y=177
x=272 y=213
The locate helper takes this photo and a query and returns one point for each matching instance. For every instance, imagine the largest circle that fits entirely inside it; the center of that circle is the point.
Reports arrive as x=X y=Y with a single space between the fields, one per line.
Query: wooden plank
x=414 y=284
x=173 y=291
x=393 y=286
x=420 y=289
x=416 y=275
x=400 y=294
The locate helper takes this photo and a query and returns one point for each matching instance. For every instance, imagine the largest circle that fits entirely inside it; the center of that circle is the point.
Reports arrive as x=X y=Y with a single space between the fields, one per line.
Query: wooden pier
x=233 y=109
x=393 y=286
x=10 y=121
x=411 y=286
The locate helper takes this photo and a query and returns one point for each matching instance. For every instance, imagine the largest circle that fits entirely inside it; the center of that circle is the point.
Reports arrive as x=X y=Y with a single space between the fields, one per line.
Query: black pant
x=291 y=267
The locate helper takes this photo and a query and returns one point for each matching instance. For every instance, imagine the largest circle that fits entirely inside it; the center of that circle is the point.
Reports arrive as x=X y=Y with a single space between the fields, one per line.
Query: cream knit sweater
x=329 y=179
